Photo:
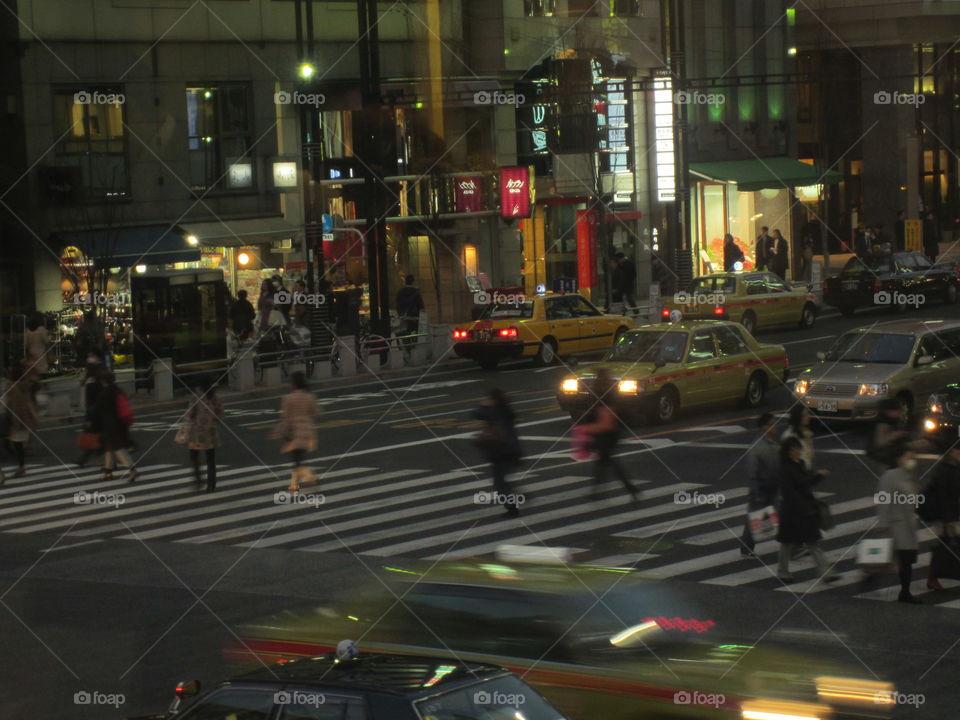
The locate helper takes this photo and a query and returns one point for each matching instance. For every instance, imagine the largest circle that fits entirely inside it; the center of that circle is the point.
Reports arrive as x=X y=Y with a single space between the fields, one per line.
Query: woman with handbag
x=203 y=417
x=800 y=512
x=296 y=429
x=941 y=508
x=106 y=420
x=22 y=416
x=88 y=441
x=500 y=444
x=896 y=514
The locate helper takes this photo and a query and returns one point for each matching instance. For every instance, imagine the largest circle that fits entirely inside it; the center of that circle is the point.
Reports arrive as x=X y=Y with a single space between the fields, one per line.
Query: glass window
x=540 y=8
x=650 y=347
x=920 y=262
x=504 y=698
x=309 y=704
x=709 y=285
x=951 y=341
x=730 y=342
x=873 y=347
x=559 y=308
x=702 y=347
x=218 y=131
x=92 y=139
x=755 y=284
x=508 y=310
x=872 y=264
x=775 y=284
x=581 y=308
x=233 y=704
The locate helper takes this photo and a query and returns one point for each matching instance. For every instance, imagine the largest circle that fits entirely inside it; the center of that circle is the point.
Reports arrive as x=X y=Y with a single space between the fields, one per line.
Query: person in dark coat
x=500 y=443
x=104 y=419
x=931 y=237
x=943 y=493
x=409 y=306
x=799 y=513
x=762 y=249
x=91 y=389
x=624 y=280
x=242 y=315
x=779 y=259
x=899 y=232
x=604 y=426
x=732 y=254
x=763 y=475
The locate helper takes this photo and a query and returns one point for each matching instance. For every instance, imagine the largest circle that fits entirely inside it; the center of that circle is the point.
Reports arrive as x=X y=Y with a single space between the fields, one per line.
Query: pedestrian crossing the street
x=393 y=511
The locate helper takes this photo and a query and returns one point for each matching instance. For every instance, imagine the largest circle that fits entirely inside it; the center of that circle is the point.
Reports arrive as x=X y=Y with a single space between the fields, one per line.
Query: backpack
x=124 y=409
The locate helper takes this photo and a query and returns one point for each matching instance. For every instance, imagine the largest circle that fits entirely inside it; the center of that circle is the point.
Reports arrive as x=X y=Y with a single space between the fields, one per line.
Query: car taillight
x=666 y=312
x=508 y=332
x=718 y=310
x=461 y=334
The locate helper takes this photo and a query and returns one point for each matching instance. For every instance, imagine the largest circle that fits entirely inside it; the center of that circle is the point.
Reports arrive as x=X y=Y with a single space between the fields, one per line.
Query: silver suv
x=904 y=359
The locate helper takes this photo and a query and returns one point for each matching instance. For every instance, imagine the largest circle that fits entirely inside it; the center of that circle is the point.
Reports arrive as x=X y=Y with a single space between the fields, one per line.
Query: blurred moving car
x=754 y=299
x=941 y=422
x=660 y=369
x=893 y=279
x=643 y=651
x=543 y=327
x=901 y=359
x=365 y=687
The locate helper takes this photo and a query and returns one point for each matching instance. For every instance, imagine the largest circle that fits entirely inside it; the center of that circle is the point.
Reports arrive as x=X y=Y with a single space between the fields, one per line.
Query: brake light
x=461 y=334
x=666 y=312
x=508 y=332
x=718 y=311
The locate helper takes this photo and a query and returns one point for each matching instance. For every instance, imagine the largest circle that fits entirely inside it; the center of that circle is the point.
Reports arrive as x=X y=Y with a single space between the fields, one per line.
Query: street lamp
x=306 y=71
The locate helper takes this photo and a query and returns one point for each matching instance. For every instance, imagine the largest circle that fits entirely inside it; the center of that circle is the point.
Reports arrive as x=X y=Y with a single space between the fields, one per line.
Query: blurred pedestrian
x=265 y=305
x=779 y=259
x=89 y=392
x=897 y=516
x=22 y=416
x=203 y=418
x=798 y=426
x=732 y=254
x=763 y=475
x=110 y=420
x=301 y=310
x=762 y=248
x=91 y=337
x=36 y=341
x=603 y=425
x=409 y=306
x=296 y=430
x=799 y=511
x=282 y=297
x=931 y=237
x=899 y=231
x=624 y=280
x=887 y=436
x=500 y=445
x=941 y=508
x=242 y=316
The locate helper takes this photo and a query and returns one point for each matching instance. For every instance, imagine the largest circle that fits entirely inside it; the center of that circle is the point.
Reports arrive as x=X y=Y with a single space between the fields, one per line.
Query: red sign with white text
x=467 y=194
x=515 y=192
x=587 y=248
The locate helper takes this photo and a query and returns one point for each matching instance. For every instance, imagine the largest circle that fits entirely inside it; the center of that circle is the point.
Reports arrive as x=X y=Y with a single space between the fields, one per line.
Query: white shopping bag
x=764 y=523
x=874 y=552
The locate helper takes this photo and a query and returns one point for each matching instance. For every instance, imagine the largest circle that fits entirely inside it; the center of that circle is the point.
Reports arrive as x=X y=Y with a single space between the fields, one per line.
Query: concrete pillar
x=395 y=358
x=163 y=379
x=242 y=375
x=272 y=376
x=348 y=357
x=322 y=369
x=440 y=342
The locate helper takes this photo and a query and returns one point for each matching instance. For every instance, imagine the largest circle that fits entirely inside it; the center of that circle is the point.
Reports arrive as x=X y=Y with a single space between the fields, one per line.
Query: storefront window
x=713 y=226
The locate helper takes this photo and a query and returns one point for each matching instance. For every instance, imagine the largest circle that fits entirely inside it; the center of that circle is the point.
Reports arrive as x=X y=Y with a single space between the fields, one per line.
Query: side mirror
x=924 y=360
x=821 y=356
x=185 y=689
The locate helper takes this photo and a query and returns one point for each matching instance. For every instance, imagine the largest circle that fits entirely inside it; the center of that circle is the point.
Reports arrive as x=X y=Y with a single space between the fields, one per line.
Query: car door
x=595 y=330
x=561 y=324
x=780 y=301
x=756 y=292
x=702 y=369
x=929 y=281
x=943 y=347
x=733 y=372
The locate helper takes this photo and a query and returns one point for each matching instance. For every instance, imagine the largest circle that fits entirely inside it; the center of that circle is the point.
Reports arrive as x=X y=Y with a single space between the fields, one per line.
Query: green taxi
x=646 y=651
x=753 y=299
x=660 y=369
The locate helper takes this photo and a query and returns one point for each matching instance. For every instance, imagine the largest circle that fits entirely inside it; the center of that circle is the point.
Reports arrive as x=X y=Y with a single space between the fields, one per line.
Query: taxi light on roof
x=508 y=332
x=628 y=386
x=570 y=385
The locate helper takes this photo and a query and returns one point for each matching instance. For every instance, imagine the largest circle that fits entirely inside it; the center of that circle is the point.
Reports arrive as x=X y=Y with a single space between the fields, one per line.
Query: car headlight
x=777 y=710
x=873 y=389
x=628 y=386
x=934 y=405
x=802 y=387
x=571 y=385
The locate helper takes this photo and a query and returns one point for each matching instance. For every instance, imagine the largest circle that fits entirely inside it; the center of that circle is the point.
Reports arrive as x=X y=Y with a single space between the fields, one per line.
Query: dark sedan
x=902 y=280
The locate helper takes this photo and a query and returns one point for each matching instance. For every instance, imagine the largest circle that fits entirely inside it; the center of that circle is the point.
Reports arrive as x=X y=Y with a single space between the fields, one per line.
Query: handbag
x=124 y=409
x=763 y=523
x=88 y=440
x=825 y=516
x=875 y=552
x=181 y=437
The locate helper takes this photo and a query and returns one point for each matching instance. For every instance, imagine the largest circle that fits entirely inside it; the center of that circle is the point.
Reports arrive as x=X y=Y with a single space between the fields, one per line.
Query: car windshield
x=508 y=310
x=872 y=347
x=706 y=285
x=870 y=264
x=504 y=698
x=649 y=347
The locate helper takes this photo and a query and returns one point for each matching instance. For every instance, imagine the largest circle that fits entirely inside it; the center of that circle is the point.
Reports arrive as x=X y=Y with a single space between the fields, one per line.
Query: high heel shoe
x=107 y=476
x=134 y=475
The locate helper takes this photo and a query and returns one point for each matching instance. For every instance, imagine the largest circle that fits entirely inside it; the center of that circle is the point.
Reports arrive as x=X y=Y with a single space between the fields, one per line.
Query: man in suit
x=764 y=242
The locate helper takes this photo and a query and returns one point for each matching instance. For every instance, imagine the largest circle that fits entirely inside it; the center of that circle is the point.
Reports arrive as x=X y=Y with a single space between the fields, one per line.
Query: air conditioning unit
x=285 y=245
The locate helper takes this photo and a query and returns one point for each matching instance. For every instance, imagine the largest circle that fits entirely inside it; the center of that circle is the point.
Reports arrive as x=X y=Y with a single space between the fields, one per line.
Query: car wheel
x=847 y=310
x=668 y=405
x=809 y=316
x=490 y=364
x=756 y=389
x=950 y=297
x=546 y=353
x=749 y=321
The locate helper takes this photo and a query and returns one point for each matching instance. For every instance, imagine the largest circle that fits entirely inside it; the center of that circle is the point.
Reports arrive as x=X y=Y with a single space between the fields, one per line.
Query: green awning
x=765 y=173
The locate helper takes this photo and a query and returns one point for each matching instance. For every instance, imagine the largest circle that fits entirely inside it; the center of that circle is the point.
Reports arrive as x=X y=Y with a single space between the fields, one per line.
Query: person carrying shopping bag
x=110 y=418
x=203 y=418
x=763 y=475
x=500 y=444
x=799 y=511
x=296 y=430
x=896 y=497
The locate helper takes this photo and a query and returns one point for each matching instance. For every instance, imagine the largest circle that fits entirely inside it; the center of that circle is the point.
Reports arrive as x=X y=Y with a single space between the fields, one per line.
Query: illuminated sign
x=285 y=174
x=239 y=174
x=467 y=194
x=515 y=190
x=663 y=134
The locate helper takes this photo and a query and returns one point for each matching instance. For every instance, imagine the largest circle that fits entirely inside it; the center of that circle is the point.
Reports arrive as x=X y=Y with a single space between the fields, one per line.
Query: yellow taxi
x=543 y=327
x=754 y=299
x=660 y=369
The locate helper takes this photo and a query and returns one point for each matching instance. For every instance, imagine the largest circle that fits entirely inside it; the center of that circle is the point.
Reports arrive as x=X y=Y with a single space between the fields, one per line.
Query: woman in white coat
x=897 y=498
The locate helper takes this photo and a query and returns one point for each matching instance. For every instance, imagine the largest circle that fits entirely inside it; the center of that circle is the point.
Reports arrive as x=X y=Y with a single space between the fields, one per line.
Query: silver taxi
x=905 y=360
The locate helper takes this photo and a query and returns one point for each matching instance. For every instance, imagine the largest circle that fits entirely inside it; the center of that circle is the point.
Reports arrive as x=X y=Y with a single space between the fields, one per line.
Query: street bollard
x=440 y=342
x=272 y=376
x=420 y=354
x=242 y=374
x=322 y=369
x=163 y=379
x=348 y=356
x=395 y=358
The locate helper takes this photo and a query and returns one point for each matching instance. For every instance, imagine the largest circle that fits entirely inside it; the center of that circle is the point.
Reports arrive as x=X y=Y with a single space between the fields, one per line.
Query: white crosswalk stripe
x=390 y=511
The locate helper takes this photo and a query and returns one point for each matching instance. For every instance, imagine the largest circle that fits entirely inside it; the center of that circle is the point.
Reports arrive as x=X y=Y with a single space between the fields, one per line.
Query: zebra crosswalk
x=417 y=513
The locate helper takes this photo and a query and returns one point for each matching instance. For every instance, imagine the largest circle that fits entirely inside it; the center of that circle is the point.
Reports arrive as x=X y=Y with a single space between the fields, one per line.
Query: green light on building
x=791 y=17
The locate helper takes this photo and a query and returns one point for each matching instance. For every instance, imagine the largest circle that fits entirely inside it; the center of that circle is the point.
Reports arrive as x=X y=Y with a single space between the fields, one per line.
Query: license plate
x=826 y=405
x=850 y=284
x=483 y=335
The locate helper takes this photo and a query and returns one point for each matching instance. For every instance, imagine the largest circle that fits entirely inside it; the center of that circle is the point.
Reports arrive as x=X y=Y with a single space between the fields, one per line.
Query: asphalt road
x=140 y=588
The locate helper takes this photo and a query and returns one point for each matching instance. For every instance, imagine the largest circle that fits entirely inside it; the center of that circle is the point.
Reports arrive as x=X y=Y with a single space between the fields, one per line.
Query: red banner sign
x=467 y=194
x=587 y=248
x=515 y=192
